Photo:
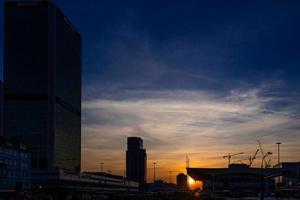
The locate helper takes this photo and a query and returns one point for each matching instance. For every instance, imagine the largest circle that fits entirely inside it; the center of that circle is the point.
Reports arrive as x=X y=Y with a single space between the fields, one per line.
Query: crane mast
x=251 y=159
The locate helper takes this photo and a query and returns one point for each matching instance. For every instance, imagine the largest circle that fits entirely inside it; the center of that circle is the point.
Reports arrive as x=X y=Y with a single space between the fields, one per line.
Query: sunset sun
x=191 y=181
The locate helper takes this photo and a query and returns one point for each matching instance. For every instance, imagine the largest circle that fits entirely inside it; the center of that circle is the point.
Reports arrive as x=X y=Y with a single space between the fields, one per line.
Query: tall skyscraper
x=42 y=91
x=136 y=161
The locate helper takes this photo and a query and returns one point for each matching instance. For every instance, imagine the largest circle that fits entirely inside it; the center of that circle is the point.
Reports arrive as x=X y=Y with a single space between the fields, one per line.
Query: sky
x=202 y=78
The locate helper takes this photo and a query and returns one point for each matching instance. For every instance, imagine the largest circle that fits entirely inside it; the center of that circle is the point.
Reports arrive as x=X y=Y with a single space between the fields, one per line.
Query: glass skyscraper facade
x=42 y=90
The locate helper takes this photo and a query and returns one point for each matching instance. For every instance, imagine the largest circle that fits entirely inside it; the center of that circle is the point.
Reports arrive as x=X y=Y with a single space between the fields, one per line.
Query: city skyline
x=197 y=83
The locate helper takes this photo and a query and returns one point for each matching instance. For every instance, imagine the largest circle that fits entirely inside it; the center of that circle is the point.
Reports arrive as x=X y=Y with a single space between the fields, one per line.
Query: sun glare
x=191 y=181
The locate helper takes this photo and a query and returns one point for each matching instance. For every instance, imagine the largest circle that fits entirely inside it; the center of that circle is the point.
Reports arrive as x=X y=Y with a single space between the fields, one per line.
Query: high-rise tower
x=136 y=161
x=42 y=91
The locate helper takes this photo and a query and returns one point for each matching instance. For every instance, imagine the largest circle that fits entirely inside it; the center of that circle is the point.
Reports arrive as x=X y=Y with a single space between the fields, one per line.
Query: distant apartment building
x=42 y=75
x=181 y=182
x=15 y=170
x=136 y=161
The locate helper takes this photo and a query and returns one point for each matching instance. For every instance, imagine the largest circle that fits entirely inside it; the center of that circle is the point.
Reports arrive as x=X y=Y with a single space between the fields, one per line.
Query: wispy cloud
x=172 y=123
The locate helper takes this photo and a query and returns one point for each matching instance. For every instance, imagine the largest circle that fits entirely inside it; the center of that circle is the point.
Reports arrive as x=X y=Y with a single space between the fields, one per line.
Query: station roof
x=208 y=173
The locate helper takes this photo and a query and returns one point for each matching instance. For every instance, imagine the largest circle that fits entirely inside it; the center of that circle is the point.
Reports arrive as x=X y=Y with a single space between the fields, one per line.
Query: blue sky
x=199 y=77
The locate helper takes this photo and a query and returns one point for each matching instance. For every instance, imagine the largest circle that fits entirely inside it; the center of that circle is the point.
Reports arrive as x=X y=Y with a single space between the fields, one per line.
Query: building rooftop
x=240 y=169
x=105 y=174
x=40 y=3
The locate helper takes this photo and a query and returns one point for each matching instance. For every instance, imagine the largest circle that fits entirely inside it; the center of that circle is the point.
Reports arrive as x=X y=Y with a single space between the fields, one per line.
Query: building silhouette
x=291 y=178
x=42 y=91
x=236 y=180
x=181 y=182
x=136 y=161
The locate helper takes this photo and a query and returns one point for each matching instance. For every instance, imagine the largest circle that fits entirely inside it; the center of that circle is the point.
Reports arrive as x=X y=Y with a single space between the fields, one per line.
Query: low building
x=288 y=180
x=64 y=184
x=159 y=186
x=15 y=166
x=291 y=177
x=237 y=180
x=111 y=182
x=181 y=182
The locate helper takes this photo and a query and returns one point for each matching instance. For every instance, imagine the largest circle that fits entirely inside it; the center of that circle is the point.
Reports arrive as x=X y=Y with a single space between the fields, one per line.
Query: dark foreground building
x=237 y=180
x=136 y=161
x=42 y=75
x=288 y=182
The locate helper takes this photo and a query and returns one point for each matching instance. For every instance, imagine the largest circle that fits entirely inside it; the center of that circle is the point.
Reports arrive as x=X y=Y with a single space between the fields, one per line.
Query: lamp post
x=262 y=195
x=278 y=152
x=154 y=171
x=101 y=166
x=278 y=159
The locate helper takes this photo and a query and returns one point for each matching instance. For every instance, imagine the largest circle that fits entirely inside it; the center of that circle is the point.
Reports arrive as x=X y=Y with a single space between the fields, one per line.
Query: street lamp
x=101 y=166
x=278 y=159
x=262 y=175
x=278 y=153
x=154 y=171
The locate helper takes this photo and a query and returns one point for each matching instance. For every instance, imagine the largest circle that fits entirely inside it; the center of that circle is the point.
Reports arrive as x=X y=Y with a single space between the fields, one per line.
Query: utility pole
x=154 y=171
x=278 y=159
x=278 y=152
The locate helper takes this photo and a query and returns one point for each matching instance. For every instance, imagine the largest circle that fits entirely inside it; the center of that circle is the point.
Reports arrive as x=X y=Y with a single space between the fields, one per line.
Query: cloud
x=173 y=123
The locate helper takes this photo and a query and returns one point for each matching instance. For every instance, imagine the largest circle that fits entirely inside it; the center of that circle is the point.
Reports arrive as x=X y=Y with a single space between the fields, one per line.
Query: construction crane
x=251 y=159
x=231 y=155
x=267 y=163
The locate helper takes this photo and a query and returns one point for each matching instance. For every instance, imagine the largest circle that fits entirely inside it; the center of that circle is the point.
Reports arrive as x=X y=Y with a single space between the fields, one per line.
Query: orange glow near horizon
x=191 y=183
x=194 y=184
x=175 y=123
